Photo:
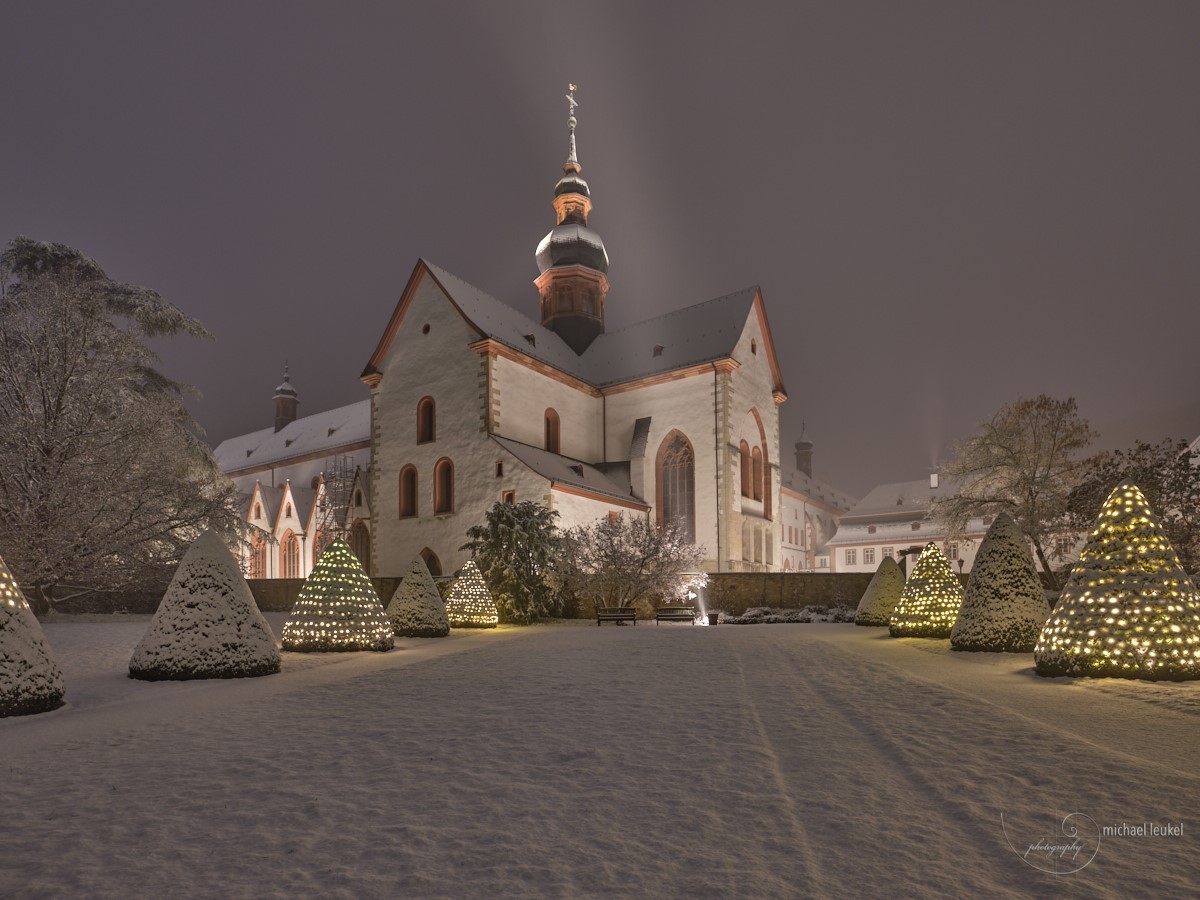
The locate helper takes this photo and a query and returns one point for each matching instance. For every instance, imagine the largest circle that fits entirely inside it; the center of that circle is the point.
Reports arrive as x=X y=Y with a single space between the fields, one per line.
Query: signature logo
x=1071 y=849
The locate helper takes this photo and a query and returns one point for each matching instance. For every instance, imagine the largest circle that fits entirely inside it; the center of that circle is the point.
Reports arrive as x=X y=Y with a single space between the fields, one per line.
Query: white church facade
x=472 y=402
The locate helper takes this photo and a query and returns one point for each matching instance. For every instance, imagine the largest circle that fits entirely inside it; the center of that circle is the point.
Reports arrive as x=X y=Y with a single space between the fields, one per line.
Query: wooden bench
x=616 y=614
x=675 y=614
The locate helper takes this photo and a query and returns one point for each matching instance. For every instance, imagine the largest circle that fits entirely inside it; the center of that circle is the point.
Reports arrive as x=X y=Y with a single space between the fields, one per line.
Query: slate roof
x=322 y=432
x=903 y=499
x=690 y=336
x=612 y=481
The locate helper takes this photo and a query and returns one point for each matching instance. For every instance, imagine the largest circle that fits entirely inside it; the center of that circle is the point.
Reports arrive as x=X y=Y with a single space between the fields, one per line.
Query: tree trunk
x=1051 y=576
x=39 y=601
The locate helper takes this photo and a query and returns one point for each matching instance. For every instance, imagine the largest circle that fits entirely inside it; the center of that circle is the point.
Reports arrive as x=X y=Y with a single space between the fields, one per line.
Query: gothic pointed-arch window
x=552 y=430
x=360 y=543
x=756 y=473
x=289 y=555
x=744 y=451
x=426 y=420
x=675 y=472
x=443 y=486
x=408 y=492
x=432 y=562
x=258 y=554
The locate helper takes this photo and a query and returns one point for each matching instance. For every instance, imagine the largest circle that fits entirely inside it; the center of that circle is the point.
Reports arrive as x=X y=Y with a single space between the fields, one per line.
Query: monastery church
x=471 y=402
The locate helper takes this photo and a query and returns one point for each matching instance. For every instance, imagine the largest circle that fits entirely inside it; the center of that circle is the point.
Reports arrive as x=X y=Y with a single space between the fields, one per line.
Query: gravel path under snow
x=571 y=761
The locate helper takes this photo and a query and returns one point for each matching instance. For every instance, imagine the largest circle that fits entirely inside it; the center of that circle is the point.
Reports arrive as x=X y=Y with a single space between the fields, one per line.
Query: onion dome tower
x=571 y=258
x=286 y=401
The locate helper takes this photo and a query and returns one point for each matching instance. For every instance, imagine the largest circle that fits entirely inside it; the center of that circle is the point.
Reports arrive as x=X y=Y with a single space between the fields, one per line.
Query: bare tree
x=628 y=561
x=104 y=477
x=1022 y=461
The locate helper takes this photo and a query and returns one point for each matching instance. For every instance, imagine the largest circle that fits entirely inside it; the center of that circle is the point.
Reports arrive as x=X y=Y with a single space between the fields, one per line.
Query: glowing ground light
x=1128 y=610
x=470 y=603
x=338 y=609
x=931 y=598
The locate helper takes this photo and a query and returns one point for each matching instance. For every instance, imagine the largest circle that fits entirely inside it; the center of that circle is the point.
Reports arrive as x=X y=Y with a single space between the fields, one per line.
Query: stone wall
x=734 y=592
x=280 y=594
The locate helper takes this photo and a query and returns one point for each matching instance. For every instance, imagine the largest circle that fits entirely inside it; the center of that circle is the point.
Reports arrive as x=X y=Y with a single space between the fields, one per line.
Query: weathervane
x=571 y=104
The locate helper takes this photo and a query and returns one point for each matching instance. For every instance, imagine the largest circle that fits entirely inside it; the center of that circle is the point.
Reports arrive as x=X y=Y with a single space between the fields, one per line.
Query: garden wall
x=734 y=592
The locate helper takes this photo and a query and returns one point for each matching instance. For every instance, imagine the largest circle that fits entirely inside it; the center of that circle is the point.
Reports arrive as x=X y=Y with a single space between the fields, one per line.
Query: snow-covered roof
x=697 y=334
x=818 y=490
x=322 y=432
x=612 y=481
x=900 y=500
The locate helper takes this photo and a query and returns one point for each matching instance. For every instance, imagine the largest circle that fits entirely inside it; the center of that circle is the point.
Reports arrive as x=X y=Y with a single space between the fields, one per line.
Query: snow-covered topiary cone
x=1128 y=610
x=470 y=604
x=338 y=608
x=931 y=599
x=882 y=594
x=416 y=609
x=30 y=682
x=1005 y=607
x=208 y=625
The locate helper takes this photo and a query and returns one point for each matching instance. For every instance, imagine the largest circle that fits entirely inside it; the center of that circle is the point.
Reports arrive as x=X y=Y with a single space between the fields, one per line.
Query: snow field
x=570 y=761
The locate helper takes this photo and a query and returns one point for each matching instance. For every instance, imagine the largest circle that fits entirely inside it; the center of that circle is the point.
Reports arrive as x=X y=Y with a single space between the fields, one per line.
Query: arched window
x=676 y=484
x=426 y=421
x=258 y=554
x=408 y=492
x=753 y=346
x=746 y=475
x=258 y=510
x=287 y=510
x=756 y=469
x=552 y=431
x=289 y=556
x=360 y=543
x=443 y=486
x=358 y=498
x=432 y=562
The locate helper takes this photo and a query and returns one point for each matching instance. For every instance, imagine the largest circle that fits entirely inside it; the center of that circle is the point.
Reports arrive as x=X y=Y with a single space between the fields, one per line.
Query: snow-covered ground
x=567 y=760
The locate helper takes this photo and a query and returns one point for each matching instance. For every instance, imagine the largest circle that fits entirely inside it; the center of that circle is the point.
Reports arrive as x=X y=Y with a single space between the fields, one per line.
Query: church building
x=472 y=402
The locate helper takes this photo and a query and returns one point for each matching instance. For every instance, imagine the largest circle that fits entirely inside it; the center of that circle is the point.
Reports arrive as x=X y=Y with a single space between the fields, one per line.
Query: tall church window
x=676 y=479
x=443 y=486
x=360 y=543
x=552 y=422
x=258 y=554
x=408 y=492
x=289 y=555
x=756 y=473
x=426 y=420
x=744 y=450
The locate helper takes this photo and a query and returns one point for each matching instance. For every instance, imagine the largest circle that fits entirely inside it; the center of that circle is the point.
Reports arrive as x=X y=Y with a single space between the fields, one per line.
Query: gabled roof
x=572 y=474
x=304 y=498
x=319 y=434
x=272 y=501
x=900 y=500
x=703 y=333
x=820 y=491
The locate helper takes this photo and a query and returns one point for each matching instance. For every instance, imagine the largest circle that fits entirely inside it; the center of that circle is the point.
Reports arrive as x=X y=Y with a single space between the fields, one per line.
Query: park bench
x=616 y=614
x=675 y=614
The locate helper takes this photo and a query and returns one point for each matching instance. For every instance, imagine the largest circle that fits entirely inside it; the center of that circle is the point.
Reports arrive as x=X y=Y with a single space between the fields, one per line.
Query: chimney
x=286 y=402
x=804 y=452
x=933 y=481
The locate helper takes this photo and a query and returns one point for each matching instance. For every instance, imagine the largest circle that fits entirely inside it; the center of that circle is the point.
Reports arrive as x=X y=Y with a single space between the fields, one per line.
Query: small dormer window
x=577 y=469
x=916 y=526
x=658 y=349
x=870 y=529
x=425 y=328
x=288 y=442
x=532 y=339
x=753 y=347
x=330 y=432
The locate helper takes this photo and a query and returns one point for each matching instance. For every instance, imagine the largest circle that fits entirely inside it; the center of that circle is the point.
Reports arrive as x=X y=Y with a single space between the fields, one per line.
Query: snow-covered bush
x=1128 y=610
x=1005 y=606
x=765 y=615
x=930 y=600
x=30 y=682
x=338 y=608
x=470 y=604
x=208 y=625
x=416 y=608
x=882 y=594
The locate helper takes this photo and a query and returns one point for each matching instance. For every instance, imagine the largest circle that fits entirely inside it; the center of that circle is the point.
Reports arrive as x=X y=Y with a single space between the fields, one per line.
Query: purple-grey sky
x=947 y=205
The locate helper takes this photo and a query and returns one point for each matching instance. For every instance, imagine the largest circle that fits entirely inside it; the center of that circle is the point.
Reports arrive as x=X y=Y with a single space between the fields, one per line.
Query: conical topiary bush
x=208 y=625
x=931 y=599
x=1004 y=607
x=416 y=609
x=470 y=604
x=338 y=609
x=30 y=682
x=1128 y=610
x=882 y=594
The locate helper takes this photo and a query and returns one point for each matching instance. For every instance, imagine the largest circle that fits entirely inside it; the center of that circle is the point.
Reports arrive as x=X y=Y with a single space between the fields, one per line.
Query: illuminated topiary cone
x=1128 y=610
x=416 y=609
x=338 y=609
x=30 y=682
x=931 y=599
x=208 y=625
x=882 y=594
x=470 y=604
x=1004 y=607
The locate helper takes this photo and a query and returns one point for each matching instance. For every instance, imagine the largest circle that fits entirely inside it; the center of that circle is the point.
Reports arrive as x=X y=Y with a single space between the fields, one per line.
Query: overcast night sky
x=948 y=206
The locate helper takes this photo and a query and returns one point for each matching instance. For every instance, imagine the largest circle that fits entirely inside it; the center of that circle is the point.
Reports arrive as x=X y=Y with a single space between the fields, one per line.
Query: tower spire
x=571 y=258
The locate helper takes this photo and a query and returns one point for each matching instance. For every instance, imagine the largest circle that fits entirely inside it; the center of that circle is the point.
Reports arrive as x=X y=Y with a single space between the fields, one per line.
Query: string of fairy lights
x=470 y=604
x=931 y=599
x=338 y=609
